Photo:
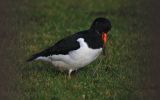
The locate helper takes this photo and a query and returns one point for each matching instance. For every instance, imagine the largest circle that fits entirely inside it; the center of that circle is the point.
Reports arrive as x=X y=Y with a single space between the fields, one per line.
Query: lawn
x=120 y=75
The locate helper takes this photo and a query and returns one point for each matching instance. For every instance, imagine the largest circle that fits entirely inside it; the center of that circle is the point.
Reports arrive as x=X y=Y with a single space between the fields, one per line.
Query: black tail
x=33 y=57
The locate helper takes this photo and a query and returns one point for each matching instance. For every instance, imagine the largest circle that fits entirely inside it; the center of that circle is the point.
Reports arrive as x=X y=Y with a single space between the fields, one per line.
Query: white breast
x=84 y=55
x=75 y=59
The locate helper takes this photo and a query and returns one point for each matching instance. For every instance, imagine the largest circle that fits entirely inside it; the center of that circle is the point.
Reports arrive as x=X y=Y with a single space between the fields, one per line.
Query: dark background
x=8 y=47
x=10 y=22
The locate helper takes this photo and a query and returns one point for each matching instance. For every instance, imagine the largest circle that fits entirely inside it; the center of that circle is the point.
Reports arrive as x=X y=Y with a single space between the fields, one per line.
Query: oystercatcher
x=79 y=49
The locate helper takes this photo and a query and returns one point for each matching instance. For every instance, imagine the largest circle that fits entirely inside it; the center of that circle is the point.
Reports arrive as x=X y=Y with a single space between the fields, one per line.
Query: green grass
x=117 y=76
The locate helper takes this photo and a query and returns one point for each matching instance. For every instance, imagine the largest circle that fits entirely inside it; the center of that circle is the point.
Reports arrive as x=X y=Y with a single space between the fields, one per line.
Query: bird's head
x=101 y=26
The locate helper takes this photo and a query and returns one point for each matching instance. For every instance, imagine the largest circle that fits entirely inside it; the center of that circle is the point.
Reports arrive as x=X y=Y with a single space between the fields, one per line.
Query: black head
x=101 y=25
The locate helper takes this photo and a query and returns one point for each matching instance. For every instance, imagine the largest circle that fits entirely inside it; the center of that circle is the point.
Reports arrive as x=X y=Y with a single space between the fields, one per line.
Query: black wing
x=64 y=46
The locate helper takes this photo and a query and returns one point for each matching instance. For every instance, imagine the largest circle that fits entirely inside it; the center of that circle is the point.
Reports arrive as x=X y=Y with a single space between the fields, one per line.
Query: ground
x=120 y=75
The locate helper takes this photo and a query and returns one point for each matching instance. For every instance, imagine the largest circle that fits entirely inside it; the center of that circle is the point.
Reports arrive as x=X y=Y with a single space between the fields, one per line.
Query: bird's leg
x=69 y=73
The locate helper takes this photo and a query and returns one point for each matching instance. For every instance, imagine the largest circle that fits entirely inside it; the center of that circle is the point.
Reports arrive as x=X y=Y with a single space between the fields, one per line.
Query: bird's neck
x=94 y=33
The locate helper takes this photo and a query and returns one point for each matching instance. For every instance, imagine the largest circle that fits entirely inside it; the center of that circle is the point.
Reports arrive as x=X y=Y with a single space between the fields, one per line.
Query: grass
x=118 y=76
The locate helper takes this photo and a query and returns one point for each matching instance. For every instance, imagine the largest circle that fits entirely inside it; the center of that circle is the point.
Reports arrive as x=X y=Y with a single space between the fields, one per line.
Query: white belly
x=75 y=59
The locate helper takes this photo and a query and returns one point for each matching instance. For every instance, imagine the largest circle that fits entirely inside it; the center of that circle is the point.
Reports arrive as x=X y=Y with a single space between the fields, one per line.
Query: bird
x=77 y=50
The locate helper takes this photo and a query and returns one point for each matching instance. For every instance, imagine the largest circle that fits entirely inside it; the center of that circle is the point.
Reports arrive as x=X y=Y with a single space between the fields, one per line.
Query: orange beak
x=105 y=39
